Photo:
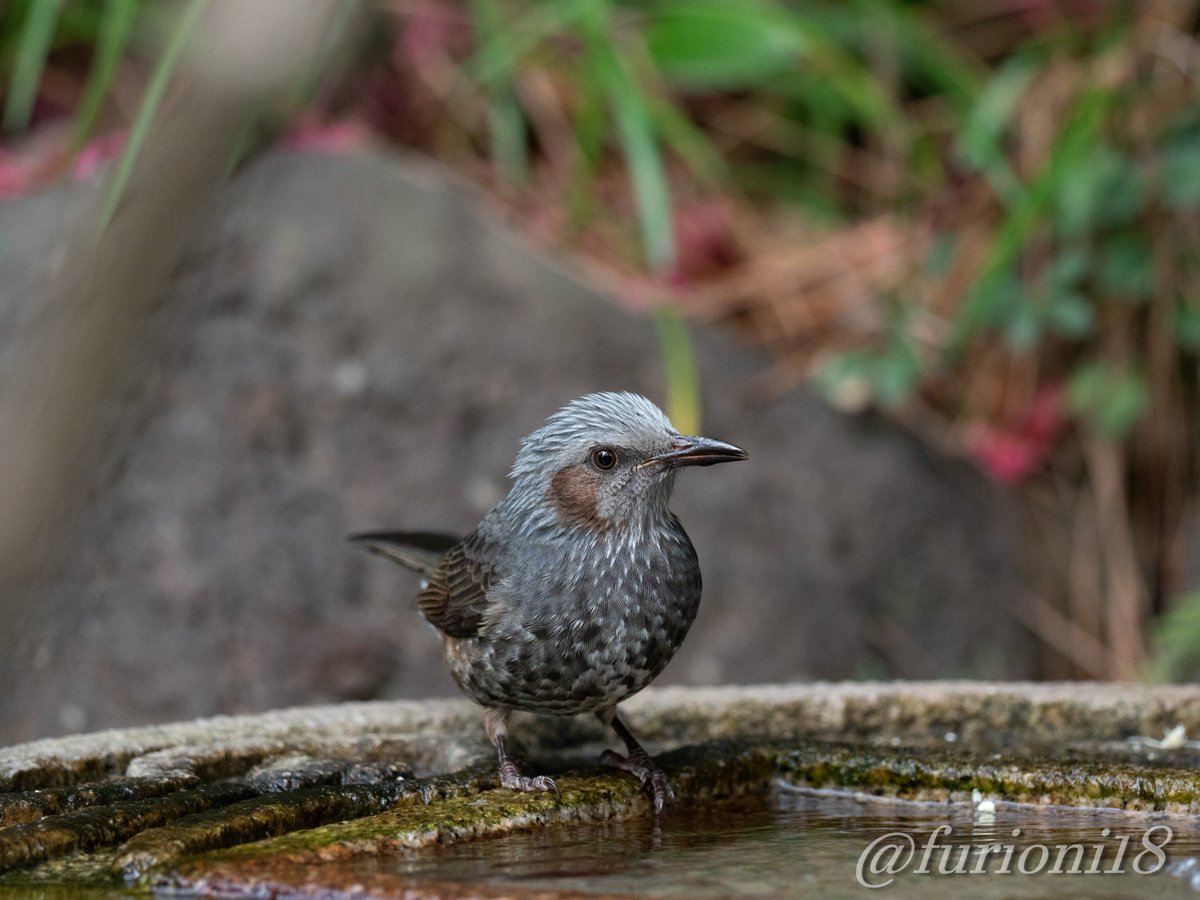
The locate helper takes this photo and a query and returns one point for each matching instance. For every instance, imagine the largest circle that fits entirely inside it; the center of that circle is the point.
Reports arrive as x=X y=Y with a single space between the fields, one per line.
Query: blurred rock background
x=966 y=384
x=355 y=344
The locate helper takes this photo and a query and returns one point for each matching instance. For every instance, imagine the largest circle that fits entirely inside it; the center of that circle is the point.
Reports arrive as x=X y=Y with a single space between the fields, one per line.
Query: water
x=790 y=844
x=813 y=843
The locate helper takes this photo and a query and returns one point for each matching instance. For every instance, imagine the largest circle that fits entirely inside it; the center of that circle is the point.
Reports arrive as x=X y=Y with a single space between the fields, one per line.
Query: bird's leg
x=637 y=760
x=495 y=721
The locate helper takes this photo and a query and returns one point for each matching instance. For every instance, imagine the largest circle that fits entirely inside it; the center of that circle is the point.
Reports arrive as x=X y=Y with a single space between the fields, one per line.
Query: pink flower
x=1007 y=457
x=705 y=244
x=97 y=152
x=1012 y=455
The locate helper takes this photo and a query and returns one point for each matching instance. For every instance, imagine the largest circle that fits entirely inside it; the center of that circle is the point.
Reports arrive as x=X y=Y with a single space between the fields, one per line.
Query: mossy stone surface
x=236 y=800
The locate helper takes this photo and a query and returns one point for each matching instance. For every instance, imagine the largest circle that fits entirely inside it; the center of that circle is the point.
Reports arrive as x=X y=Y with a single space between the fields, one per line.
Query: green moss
x=903 y=773
x=335 y=822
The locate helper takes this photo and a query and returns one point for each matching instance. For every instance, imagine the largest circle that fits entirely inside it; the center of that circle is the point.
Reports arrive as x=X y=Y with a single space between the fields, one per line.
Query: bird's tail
x=420 y=551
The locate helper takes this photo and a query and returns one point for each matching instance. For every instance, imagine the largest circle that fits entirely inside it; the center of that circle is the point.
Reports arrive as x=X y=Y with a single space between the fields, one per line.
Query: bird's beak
x=696 y=451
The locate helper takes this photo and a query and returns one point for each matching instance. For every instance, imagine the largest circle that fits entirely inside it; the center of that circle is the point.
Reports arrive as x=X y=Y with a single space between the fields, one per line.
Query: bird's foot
x=640 y=764
x=512 y=779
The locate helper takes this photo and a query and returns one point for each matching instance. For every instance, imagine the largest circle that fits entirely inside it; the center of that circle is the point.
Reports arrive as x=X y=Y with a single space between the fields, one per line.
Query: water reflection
x=812 y=842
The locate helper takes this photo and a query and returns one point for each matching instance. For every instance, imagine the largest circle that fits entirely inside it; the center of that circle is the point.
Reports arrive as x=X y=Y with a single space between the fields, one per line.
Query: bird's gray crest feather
x=593 y=418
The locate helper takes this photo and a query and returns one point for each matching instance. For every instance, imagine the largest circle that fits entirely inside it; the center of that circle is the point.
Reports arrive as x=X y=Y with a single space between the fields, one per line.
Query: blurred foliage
x=982 y=218
x=1178 y=642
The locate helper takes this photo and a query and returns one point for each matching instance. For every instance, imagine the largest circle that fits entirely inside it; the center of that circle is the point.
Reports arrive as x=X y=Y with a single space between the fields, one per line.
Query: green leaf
x=1177 y=656
x=1187 y=325
x=994 y=304
x=37 y=33
x=1127 y=266
x=1181 y=177
x=832 y=95
x=502 y=49
x=929 y=59
x=1069 y=266
x=1122 y=197
x=941 y=254
x=1026 y=210
x=1109 y=400
x=1024 y=325
x=1071 y=314
x=506 y=119
x=896 y=374
x=115 y=29
x=723 y=45
x=980 y=143
x=887 y=376
x=1181 y=162
x=1077 y=198
x=1103 y=188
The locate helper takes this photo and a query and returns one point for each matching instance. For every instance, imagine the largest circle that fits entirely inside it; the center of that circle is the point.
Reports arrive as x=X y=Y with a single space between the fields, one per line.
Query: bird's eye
x=604 y=459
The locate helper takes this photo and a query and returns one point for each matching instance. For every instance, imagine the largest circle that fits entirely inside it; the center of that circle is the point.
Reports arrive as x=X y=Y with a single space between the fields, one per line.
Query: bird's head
x=608 y=460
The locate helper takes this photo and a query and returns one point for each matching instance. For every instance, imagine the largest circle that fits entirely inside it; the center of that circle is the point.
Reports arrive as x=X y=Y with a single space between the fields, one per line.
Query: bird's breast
x=584 y=625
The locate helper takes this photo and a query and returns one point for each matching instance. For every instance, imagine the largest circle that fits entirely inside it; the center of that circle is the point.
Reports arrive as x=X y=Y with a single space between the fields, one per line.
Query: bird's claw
x=662 y=788
x=639 y=763
x=513 y=780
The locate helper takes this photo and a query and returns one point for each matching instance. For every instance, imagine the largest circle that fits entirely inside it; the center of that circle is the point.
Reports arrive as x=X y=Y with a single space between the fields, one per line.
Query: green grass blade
x=151 y=101
x=506 y=119
x=499 y=53
x=931 y=59
x=638 y=140
x=115 y=30
x=588 y=129
x=37 y=33
x=690 y=143
x=680 y=371
x=646 y=169
x=639 y=146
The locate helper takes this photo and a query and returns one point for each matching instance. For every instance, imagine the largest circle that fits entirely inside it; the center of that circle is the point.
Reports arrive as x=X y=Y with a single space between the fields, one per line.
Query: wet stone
x=298 y=770
x=248 y=820
x=233 y=803
x=32 y=842
x=29 y=806
x=205 y=762
x=911 y=774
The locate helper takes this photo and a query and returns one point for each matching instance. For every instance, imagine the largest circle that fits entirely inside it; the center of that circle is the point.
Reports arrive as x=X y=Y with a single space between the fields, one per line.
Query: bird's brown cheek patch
x=574 y=491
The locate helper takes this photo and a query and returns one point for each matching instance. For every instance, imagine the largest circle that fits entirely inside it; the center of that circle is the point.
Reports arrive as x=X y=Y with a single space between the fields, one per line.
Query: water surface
x=820 y=843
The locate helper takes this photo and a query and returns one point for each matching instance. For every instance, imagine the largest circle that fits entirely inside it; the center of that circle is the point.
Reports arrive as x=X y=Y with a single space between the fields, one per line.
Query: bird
x=578 y=587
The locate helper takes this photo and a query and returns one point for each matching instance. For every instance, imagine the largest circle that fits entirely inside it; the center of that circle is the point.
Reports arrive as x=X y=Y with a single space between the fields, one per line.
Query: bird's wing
x=456 y=597
x=421 y=551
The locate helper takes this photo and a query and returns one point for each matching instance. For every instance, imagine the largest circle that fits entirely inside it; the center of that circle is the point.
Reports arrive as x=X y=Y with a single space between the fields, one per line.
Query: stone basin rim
x=1073 y=711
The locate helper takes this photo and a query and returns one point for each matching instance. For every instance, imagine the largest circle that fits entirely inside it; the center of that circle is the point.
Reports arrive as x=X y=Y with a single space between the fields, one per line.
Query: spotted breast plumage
x=576 y=590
